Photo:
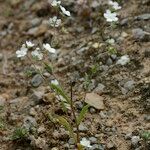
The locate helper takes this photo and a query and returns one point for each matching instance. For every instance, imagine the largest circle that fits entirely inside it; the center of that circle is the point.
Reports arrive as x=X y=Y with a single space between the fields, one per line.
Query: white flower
x=54 y=22
x=55 y=82
x=85 y=142
x=55 y=3
x=36 y=53
x=115 y=5
x=22 y=52
x=29 y=44
x=111 y=41
x=123 y=60
x=110 y=17
x=64 y=11
x=49 y=48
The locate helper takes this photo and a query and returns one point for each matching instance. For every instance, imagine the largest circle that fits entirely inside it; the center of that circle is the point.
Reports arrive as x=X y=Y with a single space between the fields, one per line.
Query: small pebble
x=36 y=80
x=93 y=139
x=71 y=141
x=92 y=110
x=82 y=127
x=135 y=140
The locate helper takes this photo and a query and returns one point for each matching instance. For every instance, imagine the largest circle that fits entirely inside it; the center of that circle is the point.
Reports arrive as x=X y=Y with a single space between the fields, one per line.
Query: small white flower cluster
x=54 y=21
x=112 y=16
x=115 y=5
x=37 y=53
x=56 y=3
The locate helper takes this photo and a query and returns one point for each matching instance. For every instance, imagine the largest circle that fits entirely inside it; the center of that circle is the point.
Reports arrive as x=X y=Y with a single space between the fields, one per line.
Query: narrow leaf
x=82 y=114
x=60 y=91
x=63 y=121
x=63 y=106
x=48 y=68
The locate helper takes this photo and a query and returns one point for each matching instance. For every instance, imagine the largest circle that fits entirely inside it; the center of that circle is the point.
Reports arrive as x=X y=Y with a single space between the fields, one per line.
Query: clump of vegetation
x=146 y=139
x=19 y=133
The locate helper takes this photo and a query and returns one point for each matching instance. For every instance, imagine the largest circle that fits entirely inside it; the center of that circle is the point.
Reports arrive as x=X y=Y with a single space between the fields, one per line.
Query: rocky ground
x=124 y=91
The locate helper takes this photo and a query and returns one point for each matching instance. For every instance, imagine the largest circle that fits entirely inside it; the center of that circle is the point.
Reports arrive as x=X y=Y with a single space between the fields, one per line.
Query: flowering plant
x=38 y=53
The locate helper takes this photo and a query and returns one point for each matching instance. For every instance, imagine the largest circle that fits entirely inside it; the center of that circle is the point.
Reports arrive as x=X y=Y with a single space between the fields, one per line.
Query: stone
x=29 y=122
x=140 y=34
x=99 y=89
x=129 y=85
x=95 y=100
x=82 y=127
x=109 y=61
x=79 y=105
x=124 y=22
x=135 y=140
x=143 y=17
x=36 y=80
x=114 y=56
x=35 y=22
x=38 y=31
x=93 y=139
x=71 y=141
x=37 y=95
x=92 y=110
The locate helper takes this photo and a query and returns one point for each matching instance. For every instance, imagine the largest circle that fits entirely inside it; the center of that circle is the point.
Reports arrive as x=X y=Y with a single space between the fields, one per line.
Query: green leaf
x=48 y=68
x=60 y=91
x=63 y=106
x=63 y=121
x=82 y=114
x=19 y=133
x=146 y=135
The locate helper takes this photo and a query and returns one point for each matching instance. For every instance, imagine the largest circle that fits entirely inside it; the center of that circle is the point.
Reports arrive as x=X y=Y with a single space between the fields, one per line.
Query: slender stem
x=74 y=116
x=35 y=68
